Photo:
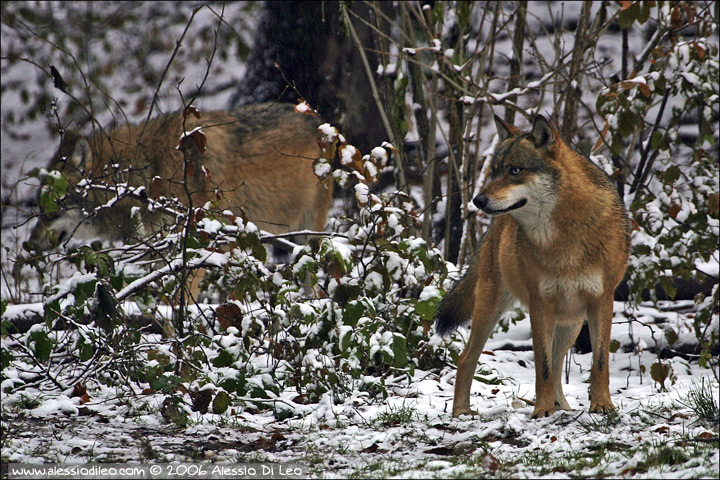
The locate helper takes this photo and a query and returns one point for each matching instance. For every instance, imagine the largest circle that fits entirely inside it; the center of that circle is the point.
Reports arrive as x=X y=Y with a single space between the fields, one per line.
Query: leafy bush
x=373 y=291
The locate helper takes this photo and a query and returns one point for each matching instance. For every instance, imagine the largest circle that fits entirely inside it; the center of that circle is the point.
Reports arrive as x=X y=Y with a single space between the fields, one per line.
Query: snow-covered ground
x=411 y=434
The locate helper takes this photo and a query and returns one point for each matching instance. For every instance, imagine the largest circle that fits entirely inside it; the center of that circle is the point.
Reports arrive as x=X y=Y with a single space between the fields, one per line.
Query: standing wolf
x=257 y=159
x=559 y=243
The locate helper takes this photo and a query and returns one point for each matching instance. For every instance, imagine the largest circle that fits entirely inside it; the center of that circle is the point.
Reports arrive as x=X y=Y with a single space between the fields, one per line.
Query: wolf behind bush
x=256 y=160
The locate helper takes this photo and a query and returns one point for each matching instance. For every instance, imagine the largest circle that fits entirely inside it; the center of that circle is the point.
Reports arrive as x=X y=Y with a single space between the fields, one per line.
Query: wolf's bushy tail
x=456 y=308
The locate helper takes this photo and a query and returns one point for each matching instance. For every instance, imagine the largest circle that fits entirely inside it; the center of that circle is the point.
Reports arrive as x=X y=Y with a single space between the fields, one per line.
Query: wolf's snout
x=481 y=201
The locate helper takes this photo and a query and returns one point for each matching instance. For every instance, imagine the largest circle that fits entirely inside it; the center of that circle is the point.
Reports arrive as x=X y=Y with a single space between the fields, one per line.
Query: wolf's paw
x=602 y=407
x=464 y=411
x=542 y=412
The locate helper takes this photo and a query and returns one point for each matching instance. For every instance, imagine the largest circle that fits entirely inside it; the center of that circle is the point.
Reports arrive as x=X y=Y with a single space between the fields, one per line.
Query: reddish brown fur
x=259 y=159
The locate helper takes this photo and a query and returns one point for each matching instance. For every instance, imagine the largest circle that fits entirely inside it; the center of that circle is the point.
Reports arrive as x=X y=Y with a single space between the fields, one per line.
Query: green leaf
x=86 y=350
x=671 y=175
x=644 y=12
x=100 y=262
x=83 y=291
x=117 y=281
x=51 y=311
x=427 y=308
x=221 y=402
x=345 y=293
x=399 y=348
x=668 y=285
x=249 y=241
x=627 y=123
x=658 y=141
x=223 y=359
x=42 y=345
x=55 y=186
x=165 y=383
x=671 y=336
x=628 y=16
x=6 y=358
x=352 y=312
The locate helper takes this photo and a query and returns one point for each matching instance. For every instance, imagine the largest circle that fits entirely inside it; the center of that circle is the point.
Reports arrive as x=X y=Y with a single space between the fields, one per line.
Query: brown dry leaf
x=198 y=215
x=305 y=108
x=328 y=141
x=230 y=217
x=206 y=172
x=191 y=109
x=625 y=4
x=601 y=139
x=350 y=156
x=190 y=169
x=628 y=85
x=271 y=443
x=140 y=105
x=714 y=203
x=155 y=187
x=201 y=399
x=80 y=391
x=170 y=409
x=490 y=462
x=674 y=210
x=229 y=315
x=193 y=141
x=645 y=90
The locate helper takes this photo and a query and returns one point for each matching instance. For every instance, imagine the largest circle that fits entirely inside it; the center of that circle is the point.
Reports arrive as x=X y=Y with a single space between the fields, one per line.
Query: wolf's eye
x=515 y=170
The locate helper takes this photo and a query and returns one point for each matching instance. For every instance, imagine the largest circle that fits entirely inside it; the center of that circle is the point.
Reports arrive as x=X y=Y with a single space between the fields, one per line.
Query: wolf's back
x=256 y=160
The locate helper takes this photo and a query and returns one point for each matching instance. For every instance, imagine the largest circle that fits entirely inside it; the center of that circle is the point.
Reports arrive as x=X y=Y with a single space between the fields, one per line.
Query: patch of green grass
x=601 y=423
x=659 y=458
x=395 y=416
x=379 y=467
x=27 y=402
x=701 y=400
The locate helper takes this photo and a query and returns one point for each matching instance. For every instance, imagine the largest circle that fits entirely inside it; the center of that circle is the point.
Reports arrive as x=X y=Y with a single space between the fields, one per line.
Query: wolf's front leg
x=542 y=323
x=600 y=315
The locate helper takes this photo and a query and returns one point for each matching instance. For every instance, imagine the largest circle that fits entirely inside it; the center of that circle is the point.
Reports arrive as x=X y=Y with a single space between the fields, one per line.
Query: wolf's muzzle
x=482 y=202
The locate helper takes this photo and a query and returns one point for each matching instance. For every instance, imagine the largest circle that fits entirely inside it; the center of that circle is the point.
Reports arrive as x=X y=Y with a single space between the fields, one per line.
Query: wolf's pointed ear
x=543 y=134
x=81 y=156
x=75 y=150
x=504 y=129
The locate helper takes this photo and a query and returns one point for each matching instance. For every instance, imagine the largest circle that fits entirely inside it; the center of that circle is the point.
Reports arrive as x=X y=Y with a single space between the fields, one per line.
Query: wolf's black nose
x=481 y=201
